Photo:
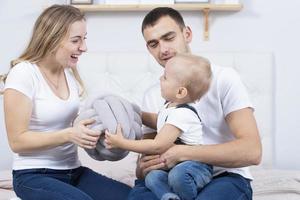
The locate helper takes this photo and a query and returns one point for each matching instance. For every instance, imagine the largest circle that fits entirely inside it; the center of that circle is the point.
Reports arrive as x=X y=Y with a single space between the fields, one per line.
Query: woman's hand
x=83 y=136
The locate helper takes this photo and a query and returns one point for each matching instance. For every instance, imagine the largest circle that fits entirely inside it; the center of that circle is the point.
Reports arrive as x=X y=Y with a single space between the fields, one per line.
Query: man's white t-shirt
x=184 y=119
x=227 y=93
x=49 y=113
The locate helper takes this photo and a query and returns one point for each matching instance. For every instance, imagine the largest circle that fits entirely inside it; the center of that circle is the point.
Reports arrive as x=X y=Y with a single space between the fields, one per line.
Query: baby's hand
x=114 y=140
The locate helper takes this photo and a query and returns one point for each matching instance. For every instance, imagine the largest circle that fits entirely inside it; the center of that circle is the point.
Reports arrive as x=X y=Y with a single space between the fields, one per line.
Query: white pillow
x=6 y=179
x=271 y=181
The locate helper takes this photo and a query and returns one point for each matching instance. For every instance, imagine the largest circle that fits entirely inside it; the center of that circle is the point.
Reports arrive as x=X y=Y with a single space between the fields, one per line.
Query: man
x=230 y=131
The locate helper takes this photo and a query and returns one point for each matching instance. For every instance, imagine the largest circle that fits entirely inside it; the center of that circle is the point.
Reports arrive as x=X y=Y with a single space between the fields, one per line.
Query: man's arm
x=243 y=151
x=146 y=163
x=152 y=102
x=149 y=119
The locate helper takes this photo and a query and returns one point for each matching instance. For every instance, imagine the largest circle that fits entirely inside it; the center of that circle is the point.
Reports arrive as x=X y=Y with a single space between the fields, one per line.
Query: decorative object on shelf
x=119 y=2
x=76 y=2
x=191 y=1
x=162 y=2
x=226 y=1
x=99 y=2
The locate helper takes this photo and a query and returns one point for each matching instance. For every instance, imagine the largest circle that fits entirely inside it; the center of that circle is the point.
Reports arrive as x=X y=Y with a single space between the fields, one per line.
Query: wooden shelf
x=206 y=8
x=146 y=7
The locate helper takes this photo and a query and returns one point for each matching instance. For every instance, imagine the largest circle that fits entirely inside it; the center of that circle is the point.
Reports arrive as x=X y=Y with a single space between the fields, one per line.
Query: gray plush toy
x=108 y=111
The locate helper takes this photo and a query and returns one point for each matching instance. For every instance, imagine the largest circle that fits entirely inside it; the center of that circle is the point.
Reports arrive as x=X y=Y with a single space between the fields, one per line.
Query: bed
x=128 y=74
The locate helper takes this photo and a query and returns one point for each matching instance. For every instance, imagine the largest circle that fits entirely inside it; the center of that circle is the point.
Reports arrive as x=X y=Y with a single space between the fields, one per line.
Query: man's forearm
x=149 y=119
x=138 y=170
x=231 y=154
x=244 y=150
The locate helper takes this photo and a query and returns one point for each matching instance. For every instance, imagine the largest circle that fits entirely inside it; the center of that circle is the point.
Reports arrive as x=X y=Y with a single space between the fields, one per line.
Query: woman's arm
x=18 y=110
x=162 y=141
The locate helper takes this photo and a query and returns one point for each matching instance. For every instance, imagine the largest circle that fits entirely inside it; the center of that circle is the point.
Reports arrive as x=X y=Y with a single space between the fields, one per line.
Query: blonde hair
x=50 y=29
x=194 y=73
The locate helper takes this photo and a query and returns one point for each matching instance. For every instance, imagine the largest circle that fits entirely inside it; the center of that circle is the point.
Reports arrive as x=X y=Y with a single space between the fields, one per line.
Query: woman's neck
x=49 y=66
x=52 y=73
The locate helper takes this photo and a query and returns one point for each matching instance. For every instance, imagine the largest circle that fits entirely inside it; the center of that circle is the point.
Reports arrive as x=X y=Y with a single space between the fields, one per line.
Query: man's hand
x=147 y=163
x=173 y=155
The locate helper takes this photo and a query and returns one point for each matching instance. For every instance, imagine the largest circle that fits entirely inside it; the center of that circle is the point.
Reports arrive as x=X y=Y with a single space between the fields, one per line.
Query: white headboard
x=129 y=74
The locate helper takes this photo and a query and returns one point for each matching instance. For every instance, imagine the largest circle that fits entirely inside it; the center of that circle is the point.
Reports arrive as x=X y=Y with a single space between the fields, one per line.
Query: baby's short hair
x=194 y=73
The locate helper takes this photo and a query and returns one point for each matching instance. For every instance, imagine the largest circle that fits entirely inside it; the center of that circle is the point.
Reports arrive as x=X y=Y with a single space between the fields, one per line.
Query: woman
x=41 y=99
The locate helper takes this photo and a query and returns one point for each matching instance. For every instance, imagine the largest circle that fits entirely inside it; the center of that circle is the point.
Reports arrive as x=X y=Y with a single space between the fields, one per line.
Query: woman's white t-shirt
x=49 y=113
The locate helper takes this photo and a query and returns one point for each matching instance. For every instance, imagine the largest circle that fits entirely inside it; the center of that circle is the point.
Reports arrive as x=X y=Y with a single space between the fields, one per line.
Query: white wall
x=268 y=26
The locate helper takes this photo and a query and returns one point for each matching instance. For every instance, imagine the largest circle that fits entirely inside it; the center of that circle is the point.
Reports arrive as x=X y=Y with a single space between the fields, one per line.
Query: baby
x=185 y=80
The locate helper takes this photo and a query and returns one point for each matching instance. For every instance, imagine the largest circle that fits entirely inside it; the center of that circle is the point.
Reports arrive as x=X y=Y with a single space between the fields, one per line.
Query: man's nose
x=164 y=48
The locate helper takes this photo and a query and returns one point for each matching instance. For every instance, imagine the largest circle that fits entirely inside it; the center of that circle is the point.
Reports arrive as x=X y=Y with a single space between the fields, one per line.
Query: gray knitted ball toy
x=109 y=110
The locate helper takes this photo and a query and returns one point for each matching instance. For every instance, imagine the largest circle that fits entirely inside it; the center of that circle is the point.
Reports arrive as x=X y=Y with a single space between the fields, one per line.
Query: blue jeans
x=75 y=184
x=183 y=181
x=226 y=186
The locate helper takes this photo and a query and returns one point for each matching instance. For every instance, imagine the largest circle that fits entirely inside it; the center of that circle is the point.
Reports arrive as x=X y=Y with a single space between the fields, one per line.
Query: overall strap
x=185 y=105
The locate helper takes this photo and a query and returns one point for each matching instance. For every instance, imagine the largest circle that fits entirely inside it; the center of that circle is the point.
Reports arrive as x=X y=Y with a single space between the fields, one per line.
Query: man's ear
x=181 y=93
x=188 y=34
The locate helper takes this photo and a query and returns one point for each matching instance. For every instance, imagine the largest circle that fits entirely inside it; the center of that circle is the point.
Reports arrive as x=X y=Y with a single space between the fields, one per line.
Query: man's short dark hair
x=154 y=15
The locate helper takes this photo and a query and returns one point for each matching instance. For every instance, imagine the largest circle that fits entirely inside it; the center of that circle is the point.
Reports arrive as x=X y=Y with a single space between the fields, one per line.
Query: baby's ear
x=181 y=93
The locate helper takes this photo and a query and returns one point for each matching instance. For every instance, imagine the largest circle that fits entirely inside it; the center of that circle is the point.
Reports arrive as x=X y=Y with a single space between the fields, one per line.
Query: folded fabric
x=109 y=110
